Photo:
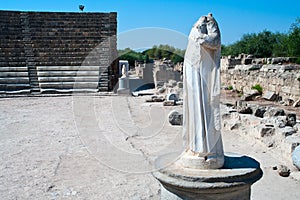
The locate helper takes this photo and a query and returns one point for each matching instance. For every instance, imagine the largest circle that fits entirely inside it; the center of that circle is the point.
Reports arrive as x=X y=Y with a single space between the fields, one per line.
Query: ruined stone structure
x=57 y=51
x=283 y=78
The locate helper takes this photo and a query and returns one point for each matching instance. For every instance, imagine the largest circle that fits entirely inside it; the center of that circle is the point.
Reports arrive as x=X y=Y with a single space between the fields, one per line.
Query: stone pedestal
x=232 y=182
x=123 y=86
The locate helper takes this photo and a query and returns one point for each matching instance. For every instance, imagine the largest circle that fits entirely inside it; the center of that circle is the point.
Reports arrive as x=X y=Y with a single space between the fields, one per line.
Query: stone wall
x=284 y=80
x=47 y=40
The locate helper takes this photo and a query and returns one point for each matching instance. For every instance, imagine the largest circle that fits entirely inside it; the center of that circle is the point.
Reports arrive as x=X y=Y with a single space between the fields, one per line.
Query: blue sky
x=235 y=17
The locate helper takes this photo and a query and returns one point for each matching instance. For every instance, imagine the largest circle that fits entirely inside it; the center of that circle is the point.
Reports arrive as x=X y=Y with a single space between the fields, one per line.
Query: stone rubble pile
x=272 y=126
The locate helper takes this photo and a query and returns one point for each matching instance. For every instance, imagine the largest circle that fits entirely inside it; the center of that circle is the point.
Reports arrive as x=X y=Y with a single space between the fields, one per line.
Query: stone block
x=287 y=131
x=283 y=171
x=291 y=119
x=265 y=130
x=273 y=112
x=270 y=96
x=169 y=103
x=260 y=111
x=296 y=103
x=175 y=118
x=172 y=97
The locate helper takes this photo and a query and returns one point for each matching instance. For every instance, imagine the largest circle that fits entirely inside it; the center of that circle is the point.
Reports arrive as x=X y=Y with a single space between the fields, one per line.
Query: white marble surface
x=202 y=126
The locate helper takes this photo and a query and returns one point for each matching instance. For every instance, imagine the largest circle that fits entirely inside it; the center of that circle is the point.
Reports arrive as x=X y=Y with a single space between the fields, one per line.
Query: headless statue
x=201 y=77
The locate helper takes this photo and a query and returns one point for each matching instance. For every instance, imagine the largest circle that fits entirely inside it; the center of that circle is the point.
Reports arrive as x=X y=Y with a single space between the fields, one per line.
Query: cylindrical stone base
x=238 y=193
x=232 y=182
x=123 y=86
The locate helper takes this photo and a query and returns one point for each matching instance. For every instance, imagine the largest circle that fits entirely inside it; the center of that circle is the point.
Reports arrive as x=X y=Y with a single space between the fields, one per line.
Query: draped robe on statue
x=201 y=122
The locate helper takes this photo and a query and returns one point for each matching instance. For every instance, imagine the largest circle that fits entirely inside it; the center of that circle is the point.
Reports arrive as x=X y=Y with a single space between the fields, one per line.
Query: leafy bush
x=230 y=87
x=258 y=88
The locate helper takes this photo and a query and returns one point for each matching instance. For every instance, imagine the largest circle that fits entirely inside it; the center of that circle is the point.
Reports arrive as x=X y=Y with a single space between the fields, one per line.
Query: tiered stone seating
x=53 y=45
x=14 y=80
x=68 y=78
x=13 y=71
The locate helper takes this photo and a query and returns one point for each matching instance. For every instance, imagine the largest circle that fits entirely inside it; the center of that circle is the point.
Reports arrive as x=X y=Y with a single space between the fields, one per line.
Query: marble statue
x=201 y=122
x=124 y=72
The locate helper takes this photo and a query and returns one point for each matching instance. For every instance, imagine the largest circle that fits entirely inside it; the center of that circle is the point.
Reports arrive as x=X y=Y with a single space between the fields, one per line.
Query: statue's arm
x=212 y=40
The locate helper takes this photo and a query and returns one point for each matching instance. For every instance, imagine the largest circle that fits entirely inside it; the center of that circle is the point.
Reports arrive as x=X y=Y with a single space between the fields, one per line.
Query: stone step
x=12 y=64
x=10 y=87
x=69 y=85
x=13 y=74
x=14 y=80
x=71 y=90
x=66 y=73
x=69 y=79
x=67 y=68
x=13 y=69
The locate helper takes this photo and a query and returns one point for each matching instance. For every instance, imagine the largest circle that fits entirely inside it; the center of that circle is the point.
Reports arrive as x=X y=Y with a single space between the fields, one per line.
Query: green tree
x=268 y=44
x=294 y=39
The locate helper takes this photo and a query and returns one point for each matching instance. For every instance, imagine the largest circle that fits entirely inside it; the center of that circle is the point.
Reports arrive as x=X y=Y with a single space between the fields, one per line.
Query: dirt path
x=90 y=147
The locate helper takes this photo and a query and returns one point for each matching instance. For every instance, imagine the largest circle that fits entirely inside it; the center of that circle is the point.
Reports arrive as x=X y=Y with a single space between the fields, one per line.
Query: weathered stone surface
x=272 y=112
x=260 y=111
x=250 y=95
x=291 y=119
x=265 y=130
x=161 y=90
x=245 y=110
x=159 y=99
x=202 y=57
x=179 y=84
x=279 y=121
x=296 y=157
x=287 y=102
x=283 y=171
x=176 y=118
x=169 y=103
x=160 y=84
x=287 y=131
x=179 y=102
x=297 y=103
x=172 y=97
x=271 y=78
x=238 y=171
x=270 y=96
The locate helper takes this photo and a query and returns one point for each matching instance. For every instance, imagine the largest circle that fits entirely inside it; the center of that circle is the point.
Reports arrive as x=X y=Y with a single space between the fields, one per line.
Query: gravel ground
x=102 y=147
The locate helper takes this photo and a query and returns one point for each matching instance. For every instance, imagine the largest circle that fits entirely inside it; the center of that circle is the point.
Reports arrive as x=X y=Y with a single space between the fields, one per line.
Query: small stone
x=297 y=103
x=235 y=126
x=179 y=103
x=270 y=96
x=260 y=111
x=161 y=90
x=249 y=96
x=273 y=112
x=172 y=97
x=158 y=99
x=160 y=84
x=264 y=130
x=179 y=84
x=287 y=131
x=176 y=118
x=284 y=171
x=280 y=121
x=169 y=103
x=296 y=157
x=291 y=119
x=274 y=167
x=245 y=110
x=149 y=100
